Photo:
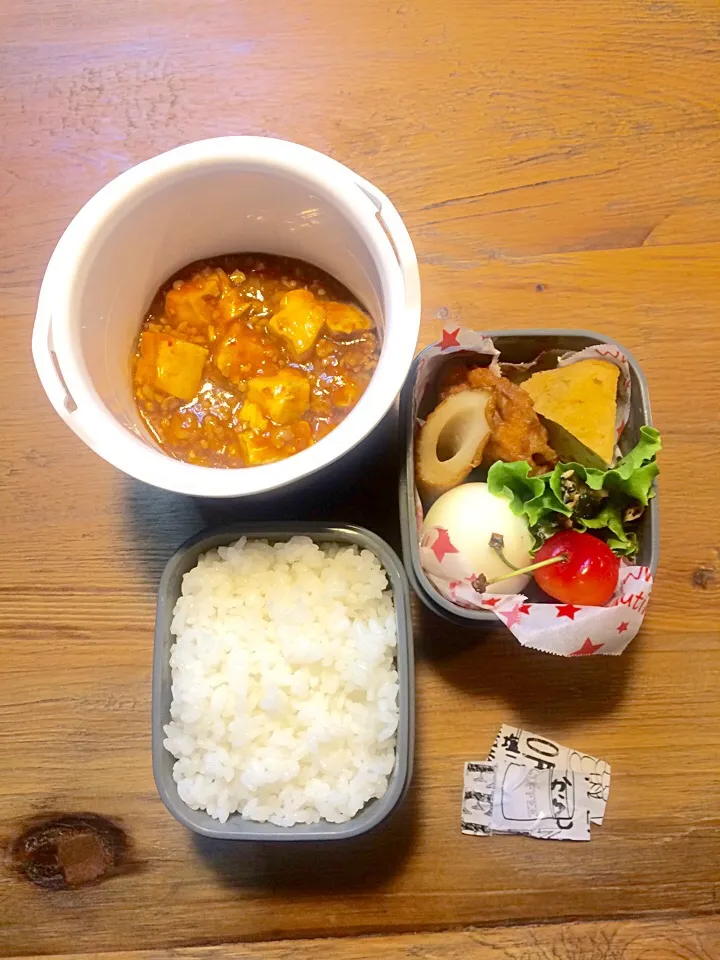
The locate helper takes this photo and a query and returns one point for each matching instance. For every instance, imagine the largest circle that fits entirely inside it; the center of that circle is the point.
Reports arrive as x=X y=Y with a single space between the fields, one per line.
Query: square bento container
x=515 y=346
x=236 y=828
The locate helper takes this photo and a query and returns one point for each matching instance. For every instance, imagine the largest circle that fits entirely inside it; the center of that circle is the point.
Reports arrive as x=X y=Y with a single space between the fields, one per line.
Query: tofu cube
x=282 y=398
x=257 y=450
x=345 y=318
x=190 y=302
x=231 y=304
x=251 y=414
x=242 y=353
x=298 y=322
x=177 y=364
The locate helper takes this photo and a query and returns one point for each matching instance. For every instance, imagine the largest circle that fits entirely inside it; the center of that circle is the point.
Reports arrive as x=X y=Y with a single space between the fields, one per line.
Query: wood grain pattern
x=557 y=166
x=687 y=939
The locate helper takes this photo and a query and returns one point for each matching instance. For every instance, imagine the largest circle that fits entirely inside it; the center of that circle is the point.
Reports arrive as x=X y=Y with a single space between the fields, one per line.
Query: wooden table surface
x=557 y=165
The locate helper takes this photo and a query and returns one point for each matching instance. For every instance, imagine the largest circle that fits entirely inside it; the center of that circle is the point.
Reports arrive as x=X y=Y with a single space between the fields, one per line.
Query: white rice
x=284 y=686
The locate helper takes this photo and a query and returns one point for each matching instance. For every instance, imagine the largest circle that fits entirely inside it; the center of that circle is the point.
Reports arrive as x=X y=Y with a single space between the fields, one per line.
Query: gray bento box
x=515 y=346
x=169 y=590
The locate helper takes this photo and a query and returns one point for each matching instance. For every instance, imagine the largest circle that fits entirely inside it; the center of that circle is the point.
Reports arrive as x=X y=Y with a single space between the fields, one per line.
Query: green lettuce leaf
x=540 y=499
x=634 y=474
x=513 y=482
x=621 y=542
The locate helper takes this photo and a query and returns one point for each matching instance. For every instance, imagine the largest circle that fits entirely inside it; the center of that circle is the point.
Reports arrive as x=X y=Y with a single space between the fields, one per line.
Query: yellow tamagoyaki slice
x=582 y=398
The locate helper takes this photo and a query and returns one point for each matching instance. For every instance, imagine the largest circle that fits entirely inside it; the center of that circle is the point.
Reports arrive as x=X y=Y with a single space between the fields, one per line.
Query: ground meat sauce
x=247 y=359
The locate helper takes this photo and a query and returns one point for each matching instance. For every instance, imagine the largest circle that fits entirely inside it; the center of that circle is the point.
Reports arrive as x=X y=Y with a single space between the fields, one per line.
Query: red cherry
x=589 y=575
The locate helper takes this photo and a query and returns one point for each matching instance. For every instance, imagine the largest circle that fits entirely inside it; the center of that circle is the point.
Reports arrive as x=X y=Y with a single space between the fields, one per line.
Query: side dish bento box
x=515 y=346
x=237 y=827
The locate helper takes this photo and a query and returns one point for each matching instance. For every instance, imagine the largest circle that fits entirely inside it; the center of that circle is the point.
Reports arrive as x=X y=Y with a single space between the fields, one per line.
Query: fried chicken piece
x=516 y=432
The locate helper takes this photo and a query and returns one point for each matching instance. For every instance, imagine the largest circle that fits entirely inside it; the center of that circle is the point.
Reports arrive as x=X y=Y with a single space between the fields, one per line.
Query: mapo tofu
x=247 y=359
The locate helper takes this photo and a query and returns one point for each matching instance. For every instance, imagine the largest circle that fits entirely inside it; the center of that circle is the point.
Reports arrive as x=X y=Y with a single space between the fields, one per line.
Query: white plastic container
x=228 y=195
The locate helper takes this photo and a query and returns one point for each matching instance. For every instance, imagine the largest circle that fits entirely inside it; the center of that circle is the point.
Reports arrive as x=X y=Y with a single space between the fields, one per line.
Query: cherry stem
x=560 y=558
x=497 y=543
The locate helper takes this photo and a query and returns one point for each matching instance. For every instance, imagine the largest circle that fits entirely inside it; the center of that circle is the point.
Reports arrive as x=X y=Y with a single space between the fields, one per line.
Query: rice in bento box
x=284 y=688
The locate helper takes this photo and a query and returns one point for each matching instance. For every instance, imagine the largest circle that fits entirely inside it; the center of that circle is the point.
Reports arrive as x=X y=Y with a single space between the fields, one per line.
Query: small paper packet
x=533 y=786
x=566 y=630
x=529 y=748
x=550 y=804
x=505 y=796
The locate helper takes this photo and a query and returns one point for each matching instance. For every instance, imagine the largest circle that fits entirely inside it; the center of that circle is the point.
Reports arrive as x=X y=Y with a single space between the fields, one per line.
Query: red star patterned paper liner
x=563 y=629
x=452 y=340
